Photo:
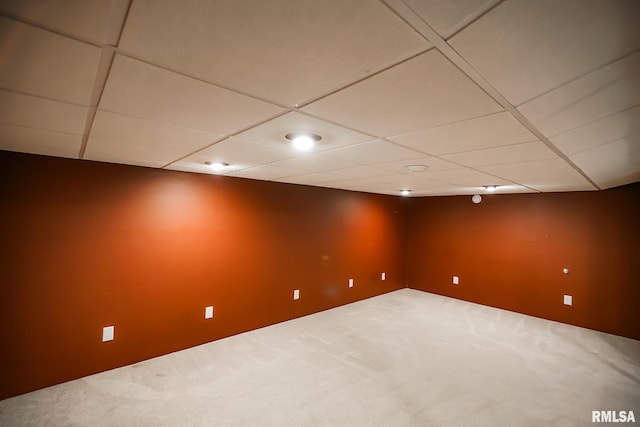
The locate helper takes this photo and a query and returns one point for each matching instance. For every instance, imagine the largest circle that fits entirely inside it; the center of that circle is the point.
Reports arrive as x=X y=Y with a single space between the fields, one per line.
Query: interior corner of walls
x=505 y=254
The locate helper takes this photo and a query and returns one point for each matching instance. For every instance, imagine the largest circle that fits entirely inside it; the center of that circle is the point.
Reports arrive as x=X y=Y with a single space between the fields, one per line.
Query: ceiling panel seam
x=461 y=29
x=415 y=21
x=51 y=30
x=99 y=83
x=118 y=15
x=580 y=76
x=135 y=57
x=226 y=137
x=367 y=77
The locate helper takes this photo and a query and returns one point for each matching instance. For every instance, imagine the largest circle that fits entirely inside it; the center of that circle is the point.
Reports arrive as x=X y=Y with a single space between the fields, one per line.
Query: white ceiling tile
x=267 y=172
x=198 y=81
x=502 y=189
x=377 y=151
x=612 y=164
x=393 y=184
x=238 y=154
x=598 y=94
x=312 y=163
x=465 y=177
x=489 y=131
x=617 y=126
x=542 y=175
x=422 y=92
x=274 y=131
x=41 y=113
x=356 y=172
x=123 y=139
x=447 y=17
x=287 y=51
x=41 y=63
x=525 y=48
x=432 y=163
x=308 y=179
x=142 y=90
x=523 y=152
x=37 y=141
x=84 y=18
x=202 y=168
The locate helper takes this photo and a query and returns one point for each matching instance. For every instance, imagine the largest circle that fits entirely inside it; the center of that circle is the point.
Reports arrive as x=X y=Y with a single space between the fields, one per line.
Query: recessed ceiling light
x=303 y=141
x=217 y=166
x=490 y=188
x=416 y=168
x=405 y=192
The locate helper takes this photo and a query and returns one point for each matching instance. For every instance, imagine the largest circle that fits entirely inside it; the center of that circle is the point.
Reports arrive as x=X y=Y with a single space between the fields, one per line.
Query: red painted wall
x=509 y=252
x=86 y=245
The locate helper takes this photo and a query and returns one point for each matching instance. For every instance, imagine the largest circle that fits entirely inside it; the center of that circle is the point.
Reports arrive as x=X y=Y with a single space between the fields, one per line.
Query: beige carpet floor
x=407 y=358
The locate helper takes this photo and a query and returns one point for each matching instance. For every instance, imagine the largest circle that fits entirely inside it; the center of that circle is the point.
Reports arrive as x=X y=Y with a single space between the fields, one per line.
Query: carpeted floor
x=407 y=358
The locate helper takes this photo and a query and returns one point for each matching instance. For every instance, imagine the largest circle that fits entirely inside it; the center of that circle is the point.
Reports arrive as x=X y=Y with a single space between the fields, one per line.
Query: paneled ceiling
x=533 y=96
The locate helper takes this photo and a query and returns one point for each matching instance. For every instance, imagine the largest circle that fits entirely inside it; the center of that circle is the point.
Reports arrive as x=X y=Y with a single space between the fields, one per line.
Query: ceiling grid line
x=102 y=74
x=412 y=18
x=578 y=77
x=226 y=137
x=530 y=96
x=51 y=29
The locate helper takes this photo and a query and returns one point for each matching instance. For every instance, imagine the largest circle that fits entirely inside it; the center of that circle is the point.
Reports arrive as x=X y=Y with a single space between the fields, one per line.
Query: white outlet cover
x=208 y=312
x=108 y=333
x=351 y=283
x=456 y=280
x=296 y=294
x=384 y=276
x=568 y=300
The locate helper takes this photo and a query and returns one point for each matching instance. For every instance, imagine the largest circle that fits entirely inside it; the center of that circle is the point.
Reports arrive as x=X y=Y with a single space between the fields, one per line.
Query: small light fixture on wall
x=303 y=141
x=217 y=166
x=476 y=198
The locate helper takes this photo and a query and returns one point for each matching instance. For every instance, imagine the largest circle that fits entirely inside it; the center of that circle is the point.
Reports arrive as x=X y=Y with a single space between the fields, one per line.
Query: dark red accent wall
x=509 y=252
x=85 y=245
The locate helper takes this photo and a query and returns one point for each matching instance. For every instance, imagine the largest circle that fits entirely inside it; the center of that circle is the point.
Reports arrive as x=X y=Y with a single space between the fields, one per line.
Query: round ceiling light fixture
x=416 y=168
x=405 y=192
x=476 y=198
x=303 y=141
x=216 y=166
x=490 y=188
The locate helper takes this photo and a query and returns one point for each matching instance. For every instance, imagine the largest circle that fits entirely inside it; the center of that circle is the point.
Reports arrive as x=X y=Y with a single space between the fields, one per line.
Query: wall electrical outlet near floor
x=208 y=312
x=456 y=280
x=296 y=294
x=108 y=333
x=351 y=283
x=568 y=300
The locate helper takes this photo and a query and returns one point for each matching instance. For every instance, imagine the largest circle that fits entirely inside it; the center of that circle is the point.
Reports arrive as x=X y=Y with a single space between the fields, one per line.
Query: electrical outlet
x=384 y=276
x=456 y=280
x=208 y=312
x=296 y=294
x=108 y=333
x=568 y=300
x=351 y=283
